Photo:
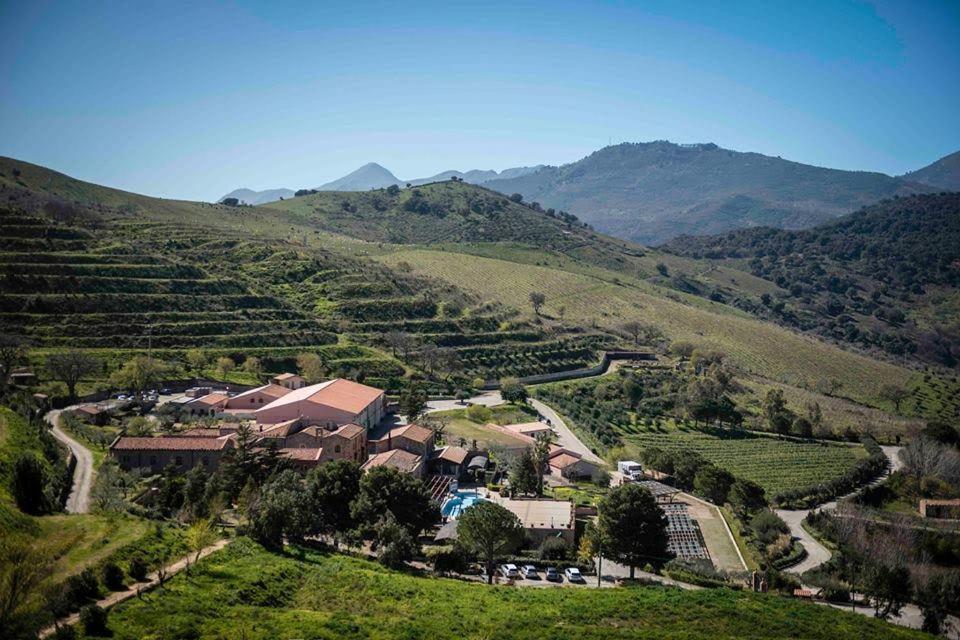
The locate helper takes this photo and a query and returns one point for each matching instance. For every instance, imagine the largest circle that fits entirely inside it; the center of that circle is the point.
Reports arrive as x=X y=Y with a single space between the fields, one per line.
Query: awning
x=478 y=462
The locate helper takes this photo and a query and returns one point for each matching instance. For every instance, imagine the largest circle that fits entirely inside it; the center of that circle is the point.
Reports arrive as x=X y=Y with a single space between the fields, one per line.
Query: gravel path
x=79 y=499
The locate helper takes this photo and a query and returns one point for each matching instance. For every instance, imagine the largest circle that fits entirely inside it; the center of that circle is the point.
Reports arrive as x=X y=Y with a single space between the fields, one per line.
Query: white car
x=509 y=571
x=530 y=572
x=573 y=575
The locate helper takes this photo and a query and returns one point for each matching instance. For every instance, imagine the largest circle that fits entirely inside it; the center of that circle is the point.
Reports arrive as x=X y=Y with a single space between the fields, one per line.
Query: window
x=153 y=460
x=336 y=449
x=179 y=460
x=260 y=400
x=252 y=400
x=126 y=458
x=205 y=460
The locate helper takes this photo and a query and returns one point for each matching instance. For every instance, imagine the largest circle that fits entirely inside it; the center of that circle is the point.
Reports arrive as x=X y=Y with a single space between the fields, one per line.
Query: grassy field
x=774 y=464
x=460 y=426
x=758 y=347
x=245 y=592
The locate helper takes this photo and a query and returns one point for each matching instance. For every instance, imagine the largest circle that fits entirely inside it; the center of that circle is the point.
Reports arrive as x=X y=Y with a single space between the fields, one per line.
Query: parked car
x=166 y=392
x=509 y=571
x=530 y=572
x=573 y=575
x=552 y=574
x=121 y=397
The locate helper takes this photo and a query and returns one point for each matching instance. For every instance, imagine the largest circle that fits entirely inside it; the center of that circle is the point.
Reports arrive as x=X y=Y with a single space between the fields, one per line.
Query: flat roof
x=541 y=514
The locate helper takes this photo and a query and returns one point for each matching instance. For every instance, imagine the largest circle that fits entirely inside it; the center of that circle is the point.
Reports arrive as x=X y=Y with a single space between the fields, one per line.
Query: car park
x=573 y=575
x=530 y=572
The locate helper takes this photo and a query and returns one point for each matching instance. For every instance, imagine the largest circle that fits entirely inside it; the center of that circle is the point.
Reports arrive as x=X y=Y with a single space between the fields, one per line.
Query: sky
x=191 y=100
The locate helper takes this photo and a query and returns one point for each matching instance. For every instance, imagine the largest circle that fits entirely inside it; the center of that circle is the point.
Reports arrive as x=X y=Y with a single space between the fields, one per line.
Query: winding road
x=79 y=498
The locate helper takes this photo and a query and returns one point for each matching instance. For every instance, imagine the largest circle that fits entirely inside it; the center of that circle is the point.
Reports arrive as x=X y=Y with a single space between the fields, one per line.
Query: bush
x=138 y=568
x=553 y=549
x=112 y=576
x=81 y=588
x=479 y=413
x=65 y=633
x=94 y=620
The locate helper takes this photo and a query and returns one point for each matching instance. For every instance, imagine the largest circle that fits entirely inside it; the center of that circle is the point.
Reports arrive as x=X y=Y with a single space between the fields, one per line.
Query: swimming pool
x=454 y=505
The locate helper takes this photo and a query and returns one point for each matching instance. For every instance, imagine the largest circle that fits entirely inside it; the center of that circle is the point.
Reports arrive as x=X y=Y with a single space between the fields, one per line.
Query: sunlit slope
x=761 y=348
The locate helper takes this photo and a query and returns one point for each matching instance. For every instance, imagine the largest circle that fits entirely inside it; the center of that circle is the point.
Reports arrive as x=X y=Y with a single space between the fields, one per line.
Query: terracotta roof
x=557 y=450
x=271 y=390
x=397 y=458
x=456 y=455
x=349 y=431
x=211 y=399
x=528 y=427
x=167 y=443
x=411 y=432
x=279 y=429
x=302 y=454
x=345 y=395
x=564 y=460
x=198 y=432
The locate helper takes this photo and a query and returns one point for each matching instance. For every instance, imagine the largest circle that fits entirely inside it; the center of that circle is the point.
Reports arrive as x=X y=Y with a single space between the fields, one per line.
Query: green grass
x=776 y=465
x=245 y=592
x=460 y=426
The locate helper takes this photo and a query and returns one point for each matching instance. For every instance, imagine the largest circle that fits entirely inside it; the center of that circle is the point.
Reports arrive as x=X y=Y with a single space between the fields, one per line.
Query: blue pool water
x=458 y=501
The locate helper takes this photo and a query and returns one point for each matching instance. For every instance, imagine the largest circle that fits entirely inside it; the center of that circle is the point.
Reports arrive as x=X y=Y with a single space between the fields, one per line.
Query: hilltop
x=651 y=192
x=942 y=174
x=249 y=196
x=369 y=176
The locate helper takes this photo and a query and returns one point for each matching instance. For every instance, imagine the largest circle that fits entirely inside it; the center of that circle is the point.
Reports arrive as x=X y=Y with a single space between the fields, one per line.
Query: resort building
x=328 y=404
x=412 y=438
x=570 y=464
x=156 y=454
x=399 y=459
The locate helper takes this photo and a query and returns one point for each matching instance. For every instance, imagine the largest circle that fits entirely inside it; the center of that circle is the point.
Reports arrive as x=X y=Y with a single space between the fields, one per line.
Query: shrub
x=82 y=587
x=94 y=620
x=553 y=549
x=138 y=568
x=112 y=576
x=479 y=413
x=65 y=633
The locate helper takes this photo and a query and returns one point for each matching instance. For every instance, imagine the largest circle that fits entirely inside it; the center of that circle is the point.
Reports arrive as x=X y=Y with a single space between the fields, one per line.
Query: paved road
x=817 y=554
x=79 y=498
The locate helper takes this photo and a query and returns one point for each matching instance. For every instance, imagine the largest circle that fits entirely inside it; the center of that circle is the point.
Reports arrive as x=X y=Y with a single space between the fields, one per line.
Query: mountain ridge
x=943 y=173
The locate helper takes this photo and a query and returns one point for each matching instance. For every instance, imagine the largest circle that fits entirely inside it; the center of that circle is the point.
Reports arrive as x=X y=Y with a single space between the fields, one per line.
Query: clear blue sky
x=191 y=100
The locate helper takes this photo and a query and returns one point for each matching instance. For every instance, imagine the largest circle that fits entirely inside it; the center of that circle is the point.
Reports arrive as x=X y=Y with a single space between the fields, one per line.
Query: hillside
x=244 y=591
x=651 y=192
x=942 y=174
x=885 y=277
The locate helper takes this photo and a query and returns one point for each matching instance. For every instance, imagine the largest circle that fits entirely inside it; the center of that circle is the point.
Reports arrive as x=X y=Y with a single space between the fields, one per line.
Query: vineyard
x=613 y=299
x=776 y=465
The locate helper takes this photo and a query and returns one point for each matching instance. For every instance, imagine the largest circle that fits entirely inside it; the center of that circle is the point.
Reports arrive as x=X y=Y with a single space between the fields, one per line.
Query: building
x=412 y=438
x=207 y=405
x=448 y=461
x=398 y=459
x=543 y=519
x=570 y=464
x=156 y=454
x=289 y=381
x=250 y=401
x=945 y=509
x=529 y=429
x=90 y=413
x=328 y=404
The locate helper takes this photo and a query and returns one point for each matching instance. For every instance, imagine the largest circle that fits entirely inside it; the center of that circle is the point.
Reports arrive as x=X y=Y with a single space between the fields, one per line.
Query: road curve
x=79 y=498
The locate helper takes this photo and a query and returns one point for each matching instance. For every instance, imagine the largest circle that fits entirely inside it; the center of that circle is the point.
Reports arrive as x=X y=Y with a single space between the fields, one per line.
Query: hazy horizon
x=192 y=101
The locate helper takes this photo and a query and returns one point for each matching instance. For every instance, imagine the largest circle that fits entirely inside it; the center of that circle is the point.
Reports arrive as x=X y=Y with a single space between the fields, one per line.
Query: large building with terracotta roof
x=398 y=459
x=156 y=454
x=329 y=404
x=410 y=437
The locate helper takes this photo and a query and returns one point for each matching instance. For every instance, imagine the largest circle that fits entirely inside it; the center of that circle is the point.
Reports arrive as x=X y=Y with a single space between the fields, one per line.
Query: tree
x=814 y=415
x=112 y=576
x=746 y=496
x=200 y=535
x=775 y=411
x=332 y=488
x=490 y=531
x=281 y=510
x=392 y=542
x=633 y=527
x=94 y=620
x=12 y=351
x=713 y=484
x=140 y=373
x=393 y=190
x=384 y=489
x=197 y=360
x=231 y=202
x=642 y=333
x=29 y=483
x=253 y=366
x=310 y=367
x=523 y=473
x=224 y=366
x=541 y=457
x=894 y=393
x=413 y=401
x=939 y=595
x=803 y=427
x=888 y=588
x=513 y=390
x=516 y=197
x=537 y=299
x=69 y=367
x=399 y=341
x=23 y=567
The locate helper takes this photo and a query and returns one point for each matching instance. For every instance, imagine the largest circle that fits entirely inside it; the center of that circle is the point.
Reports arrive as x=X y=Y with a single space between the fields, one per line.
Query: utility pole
x=599 y=557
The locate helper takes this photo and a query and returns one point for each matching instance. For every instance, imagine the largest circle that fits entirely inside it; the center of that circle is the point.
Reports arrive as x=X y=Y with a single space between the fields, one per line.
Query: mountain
x=942 y=174
x=249 y=196
x=886 y=277
x=369 y=176
x=651 y=192
x=374 y=176
x=478 y=176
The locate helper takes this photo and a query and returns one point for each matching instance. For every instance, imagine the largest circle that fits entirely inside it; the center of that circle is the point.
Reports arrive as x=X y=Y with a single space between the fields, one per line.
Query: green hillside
x=243 y=591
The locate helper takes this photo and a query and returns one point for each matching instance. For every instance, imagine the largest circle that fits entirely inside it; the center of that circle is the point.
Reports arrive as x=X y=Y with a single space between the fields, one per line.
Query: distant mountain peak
x=942 y=174
x=369 y=176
